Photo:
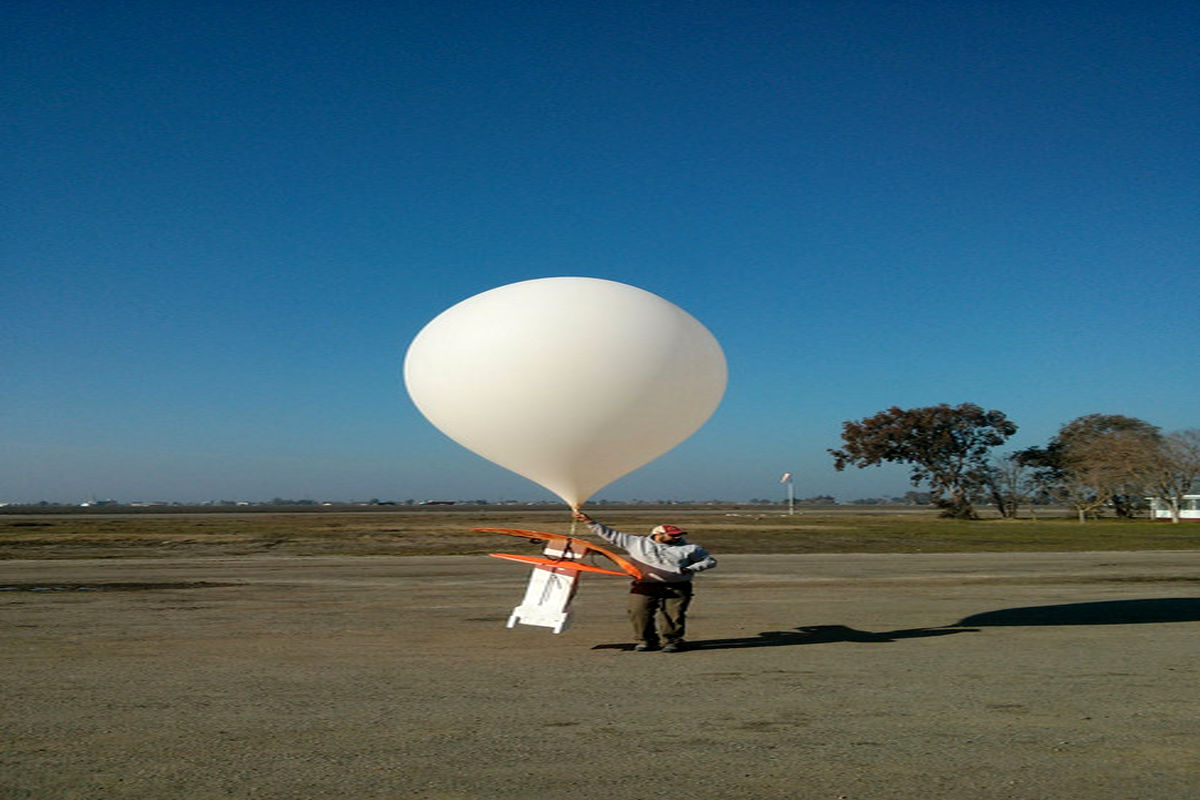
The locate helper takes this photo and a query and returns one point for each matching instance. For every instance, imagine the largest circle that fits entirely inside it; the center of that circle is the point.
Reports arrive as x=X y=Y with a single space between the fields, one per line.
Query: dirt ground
x=863 y=677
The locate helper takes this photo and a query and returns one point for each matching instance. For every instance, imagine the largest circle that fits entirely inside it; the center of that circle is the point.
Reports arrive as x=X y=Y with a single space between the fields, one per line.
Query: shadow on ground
x=1110 y=612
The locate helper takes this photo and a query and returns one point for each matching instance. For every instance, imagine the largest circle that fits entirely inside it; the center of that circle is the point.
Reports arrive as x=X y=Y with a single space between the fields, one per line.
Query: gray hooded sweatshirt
x=669 y=563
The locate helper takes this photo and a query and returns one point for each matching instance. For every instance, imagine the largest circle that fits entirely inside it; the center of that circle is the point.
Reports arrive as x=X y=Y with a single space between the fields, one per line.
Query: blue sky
x=224 y=222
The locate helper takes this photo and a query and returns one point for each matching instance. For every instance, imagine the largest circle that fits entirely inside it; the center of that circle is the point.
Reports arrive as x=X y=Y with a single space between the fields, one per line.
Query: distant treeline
x=1095 y=463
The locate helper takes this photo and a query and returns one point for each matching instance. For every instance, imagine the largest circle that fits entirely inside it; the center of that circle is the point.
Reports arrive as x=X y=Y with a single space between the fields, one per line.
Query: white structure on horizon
x=1188 y=509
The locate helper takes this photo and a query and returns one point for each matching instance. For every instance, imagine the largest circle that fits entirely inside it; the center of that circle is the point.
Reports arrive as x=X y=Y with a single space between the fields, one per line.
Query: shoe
x=672 y=647
x=642 y=647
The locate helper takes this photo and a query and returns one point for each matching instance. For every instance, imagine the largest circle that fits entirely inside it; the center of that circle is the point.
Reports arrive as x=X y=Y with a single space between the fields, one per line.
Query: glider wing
x=568 y=548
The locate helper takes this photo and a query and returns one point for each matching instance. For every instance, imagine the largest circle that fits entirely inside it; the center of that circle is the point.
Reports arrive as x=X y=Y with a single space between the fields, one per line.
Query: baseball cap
x=669 y=530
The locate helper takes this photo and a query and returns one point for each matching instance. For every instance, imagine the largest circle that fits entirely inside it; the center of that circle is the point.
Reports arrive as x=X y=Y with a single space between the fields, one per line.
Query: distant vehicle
x=437 y=502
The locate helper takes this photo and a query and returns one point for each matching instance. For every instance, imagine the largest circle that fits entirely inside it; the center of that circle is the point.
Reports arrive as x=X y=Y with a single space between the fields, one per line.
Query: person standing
x=660 y=599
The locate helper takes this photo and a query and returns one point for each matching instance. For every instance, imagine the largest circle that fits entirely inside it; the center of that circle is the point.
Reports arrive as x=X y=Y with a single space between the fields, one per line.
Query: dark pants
x=665 y=603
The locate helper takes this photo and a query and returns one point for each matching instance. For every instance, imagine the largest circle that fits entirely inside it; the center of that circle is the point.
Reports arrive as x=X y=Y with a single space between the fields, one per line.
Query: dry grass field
x=449 y=532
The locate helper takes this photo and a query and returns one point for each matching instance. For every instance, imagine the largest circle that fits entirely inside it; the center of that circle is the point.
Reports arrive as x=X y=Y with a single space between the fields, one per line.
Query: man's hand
x=579 y=516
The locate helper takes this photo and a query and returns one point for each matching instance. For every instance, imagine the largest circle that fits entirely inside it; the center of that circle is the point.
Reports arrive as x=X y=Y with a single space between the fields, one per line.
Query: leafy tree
x=947 y=447
x=1046 y=470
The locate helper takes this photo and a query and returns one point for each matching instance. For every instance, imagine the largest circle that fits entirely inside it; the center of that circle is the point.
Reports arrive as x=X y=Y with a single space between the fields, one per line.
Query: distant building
x=1188 y=509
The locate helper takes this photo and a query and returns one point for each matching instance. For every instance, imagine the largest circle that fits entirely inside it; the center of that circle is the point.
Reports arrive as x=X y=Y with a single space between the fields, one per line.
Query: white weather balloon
x=570 y=382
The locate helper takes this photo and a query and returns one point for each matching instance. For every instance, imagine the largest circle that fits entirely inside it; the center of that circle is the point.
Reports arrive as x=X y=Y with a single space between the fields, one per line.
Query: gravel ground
x=1028 y=676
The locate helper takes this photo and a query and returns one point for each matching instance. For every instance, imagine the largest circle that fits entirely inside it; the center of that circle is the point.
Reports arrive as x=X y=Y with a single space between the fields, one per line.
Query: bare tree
x=1174 y=469
x=1094 y=461
x=1116 y=450
x=1099 y=471
x=1006 y=481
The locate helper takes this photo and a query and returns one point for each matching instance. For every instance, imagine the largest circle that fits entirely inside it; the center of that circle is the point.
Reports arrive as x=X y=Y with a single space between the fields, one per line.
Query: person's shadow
x=1109 y=612
x=808 y=634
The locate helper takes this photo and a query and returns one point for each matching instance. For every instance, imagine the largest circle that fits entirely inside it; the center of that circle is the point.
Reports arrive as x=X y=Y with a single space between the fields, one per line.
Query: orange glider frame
x=555 y=576
x=564 y=552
